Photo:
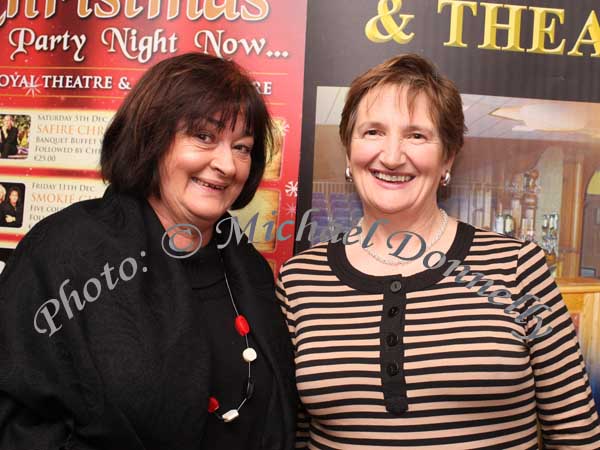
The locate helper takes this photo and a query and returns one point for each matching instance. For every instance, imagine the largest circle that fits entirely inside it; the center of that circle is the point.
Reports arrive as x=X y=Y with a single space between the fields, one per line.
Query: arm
x=565 y=406
x=40 y=395
x=303 y=420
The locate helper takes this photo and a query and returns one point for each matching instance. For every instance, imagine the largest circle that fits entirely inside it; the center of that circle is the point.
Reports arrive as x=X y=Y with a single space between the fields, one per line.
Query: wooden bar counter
x=582 y=297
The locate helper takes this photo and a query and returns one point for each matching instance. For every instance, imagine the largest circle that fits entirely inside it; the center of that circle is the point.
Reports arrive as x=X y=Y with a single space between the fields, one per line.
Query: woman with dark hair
x=11 y=211
x=125 y=322
x=430 y=343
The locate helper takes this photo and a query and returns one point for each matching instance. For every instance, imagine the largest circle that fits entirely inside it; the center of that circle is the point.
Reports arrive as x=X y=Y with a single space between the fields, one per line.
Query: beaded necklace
x=248 y=355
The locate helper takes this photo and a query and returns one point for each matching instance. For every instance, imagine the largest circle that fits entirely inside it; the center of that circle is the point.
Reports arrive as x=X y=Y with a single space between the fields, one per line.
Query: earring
x=348 y=175
x=446 y=179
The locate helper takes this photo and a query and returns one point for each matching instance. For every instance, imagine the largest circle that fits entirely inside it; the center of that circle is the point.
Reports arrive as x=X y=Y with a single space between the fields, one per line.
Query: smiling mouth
x=208 y=185
x=398 y=179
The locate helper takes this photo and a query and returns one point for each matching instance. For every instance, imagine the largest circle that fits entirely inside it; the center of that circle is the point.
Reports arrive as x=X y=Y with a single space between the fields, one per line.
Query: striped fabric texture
x=428 y=362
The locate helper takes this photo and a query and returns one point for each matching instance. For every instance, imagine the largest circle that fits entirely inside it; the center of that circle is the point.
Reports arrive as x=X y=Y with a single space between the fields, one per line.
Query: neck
x=386 y=231
x=183 y=237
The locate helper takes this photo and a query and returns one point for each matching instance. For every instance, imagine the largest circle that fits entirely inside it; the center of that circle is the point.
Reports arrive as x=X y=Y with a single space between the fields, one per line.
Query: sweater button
x=392 y=369
x=395 y=286
x=393 y=311
x=392 y=339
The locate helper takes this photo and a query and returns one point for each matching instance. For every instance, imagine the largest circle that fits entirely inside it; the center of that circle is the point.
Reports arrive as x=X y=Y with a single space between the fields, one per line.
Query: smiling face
x=7 y=122
x=396 y=156
x=202 y=175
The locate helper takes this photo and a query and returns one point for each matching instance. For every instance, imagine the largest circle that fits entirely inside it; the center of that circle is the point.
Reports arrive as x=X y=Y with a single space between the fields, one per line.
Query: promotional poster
x=66 y=67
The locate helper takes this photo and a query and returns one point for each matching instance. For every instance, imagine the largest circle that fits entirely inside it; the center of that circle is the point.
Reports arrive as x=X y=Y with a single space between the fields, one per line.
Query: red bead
x=241 y=325
x=213 y=404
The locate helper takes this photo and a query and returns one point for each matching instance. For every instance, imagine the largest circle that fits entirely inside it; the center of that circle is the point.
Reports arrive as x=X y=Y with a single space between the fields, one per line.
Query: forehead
x=391 y=103
x=223 y=124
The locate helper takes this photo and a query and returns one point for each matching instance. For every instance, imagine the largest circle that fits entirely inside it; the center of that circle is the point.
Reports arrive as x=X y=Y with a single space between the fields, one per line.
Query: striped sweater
x=426 y=361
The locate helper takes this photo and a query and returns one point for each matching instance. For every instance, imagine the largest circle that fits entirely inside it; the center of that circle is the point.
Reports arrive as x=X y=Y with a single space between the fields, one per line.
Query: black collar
x=356 y=279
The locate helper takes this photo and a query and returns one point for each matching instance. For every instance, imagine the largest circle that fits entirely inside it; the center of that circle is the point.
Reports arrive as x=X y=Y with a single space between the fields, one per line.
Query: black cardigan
x=129 y=371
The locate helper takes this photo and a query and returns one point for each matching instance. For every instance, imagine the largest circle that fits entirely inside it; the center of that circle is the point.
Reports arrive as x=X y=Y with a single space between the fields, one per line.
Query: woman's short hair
x=180 y=94
x=418 y=75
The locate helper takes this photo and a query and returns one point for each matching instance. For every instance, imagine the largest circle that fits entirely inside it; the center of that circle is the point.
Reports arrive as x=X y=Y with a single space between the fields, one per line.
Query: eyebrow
x=418 y=127
x=412 y=127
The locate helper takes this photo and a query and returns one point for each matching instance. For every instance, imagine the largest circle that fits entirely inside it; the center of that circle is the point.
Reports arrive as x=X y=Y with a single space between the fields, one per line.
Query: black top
x=7 y=209
x=129 y=367
x=229 y=372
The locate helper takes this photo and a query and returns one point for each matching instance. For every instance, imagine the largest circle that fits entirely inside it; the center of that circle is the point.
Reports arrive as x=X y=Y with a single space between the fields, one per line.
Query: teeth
x=393 y=178
x=212 y=186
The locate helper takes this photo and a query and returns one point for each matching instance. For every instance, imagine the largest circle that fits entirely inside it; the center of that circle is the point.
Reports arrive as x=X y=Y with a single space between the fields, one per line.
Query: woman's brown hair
x=418 y=75
x=180 y=94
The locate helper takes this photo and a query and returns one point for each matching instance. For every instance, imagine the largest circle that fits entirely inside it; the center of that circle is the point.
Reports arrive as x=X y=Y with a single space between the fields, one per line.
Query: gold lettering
x=83 y=9
x=153 y=9
x=114 y=6
x=492 y=26
x=541 y=29
x=31 y=11
x=50 y=9
x=384 y=15
x=131 y=9
x=261 y=5
x=229 y=8
x=173 y=9
x=193 y=12
x=12 y=8
x=456 y=20
x=593 y=28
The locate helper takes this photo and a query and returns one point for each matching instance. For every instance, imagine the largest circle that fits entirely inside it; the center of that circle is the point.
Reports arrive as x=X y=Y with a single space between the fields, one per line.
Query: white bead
x=249 y=354
x=231 y=415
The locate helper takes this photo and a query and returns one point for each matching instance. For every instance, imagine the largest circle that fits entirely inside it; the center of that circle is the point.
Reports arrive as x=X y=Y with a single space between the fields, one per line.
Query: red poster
x=66 y=65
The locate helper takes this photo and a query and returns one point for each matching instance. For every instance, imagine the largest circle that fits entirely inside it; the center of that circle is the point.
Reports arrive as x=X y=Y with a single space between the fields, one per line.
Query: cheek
x=243 y=170
x=359 y=155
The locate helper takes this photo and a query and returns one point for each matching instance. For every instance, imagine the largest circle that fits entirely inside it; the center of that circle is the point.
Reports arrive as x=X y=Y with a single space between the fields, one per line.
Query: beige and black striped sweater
x=427 y=361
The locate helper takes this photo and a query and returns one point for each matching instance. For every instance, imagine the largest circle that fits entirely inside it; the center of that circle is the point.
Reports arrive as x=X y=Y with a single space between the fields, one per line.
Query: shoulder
x=314 y=258
x=79 y=226
x=490 y=243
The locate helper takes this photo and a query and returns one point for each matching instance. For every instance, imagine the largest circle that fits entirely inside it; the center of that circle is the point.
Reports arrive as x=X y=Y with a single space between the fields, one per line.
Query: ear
x=447 y=165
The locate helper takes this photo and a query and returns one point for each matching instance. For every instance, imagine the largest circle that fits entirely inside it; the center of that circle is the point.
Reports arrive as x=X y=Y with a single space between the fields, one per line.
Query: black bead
x=249 y=388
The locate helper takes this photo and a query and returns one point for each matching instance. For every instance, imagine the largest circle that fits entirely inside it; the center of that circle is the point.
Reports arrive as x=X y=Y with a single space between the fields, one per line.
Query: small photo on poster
x=12 y=196
x=4 y=254
x=14 y=136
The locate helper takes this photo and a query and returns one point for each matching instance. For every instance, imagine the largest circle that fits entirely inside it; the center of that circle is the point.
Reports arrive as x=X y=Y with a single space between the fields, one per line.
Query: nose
x=393 y=153
x=223 y=161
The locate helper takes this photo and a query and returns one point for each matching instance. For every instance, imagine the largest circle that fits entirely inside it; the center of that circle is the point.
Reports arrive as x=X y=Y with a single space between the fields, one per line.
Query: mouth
x=389 y=178
x=215 y=187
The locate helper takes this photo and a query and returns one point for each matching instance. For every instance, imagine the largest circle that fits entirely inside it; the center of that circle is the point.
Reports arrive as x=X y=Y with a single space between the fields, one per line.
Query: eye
x=417 y=138
x=205 y=137
x=372 y=133
x=243 y=149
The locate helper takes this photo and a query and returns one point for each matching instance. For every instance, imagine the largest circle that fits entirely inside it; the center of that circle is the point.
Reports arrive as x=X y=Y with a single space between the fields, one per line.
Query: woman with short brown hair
x=424 y=331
